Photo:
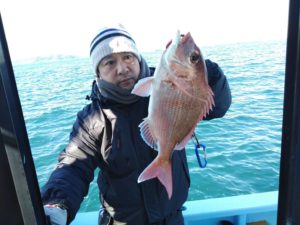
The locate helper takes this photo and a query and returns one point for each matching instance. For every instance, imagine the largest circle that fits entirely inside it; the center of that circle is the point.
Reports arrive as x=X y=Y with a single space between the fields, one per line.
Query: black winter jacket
x=106 y=135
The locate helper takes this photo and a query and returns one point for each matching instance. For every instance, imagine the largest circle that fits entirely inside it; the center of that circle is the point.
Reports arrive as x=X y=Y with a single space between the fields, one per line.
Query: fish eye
x=195 y=57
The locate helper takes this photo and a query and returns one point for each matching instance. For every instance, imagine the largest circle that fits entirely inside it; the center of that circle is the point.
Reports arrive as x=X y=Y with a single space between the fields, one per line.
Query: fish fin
x=147 y=135
x=162 y=170
x=143 y=87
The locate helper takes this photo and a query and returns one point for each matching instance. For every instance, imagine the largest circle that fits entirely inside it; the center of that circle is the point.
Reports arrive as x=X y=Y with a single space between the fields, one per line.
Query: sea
x=243 y=148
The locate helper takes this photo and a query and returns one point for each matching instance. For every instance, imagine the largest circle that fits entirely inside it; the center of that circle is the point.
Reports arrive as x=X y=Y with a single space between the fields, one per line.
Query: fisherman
x=106 y=135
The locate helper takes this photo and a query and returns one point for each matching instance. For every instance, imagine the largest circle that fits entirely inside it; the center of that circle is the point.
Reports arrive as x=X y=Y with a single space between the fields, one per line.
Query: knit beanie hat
x=113 y=39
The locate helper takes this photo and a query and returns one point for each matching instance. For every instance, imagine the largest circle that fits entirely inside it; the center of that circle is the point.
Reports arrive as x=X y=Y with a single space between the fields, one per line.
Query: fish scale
x=178 y=108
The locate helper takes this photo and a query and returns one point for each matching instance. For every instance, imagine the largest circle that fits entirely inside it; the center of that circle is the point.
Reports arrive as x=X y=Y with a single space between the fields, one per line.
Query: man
x=106 y=135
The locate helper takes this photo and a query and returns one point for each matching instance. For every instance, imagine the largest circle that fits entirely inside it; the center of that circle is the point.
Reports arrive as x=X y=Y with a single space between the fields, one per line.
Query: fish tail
x=162 y=169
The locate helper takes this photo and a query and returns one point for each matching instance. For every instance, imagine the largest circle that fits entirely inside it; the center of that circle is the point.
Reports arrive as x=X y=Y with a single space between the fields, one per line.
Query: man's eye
x=109 y=63
x=129 y=57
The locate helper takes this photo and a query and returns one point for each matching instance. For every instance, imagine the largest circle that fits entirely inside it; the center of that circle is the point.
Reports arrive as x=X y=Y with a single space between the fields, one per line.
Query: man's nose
x=122 y=67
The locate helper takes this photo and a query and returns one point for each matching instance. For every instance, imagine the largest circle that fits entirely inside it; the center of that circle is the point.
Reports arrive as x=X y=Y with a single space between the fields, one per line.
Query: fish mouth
x=182 y=39
x=185 y=37
x=179 y=39
x=170 y=51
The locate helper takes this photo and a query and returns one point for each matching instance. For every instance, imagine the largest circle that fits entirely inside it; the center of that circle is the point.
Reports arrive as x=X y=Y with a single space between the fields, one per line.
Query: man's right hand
x=57 y=216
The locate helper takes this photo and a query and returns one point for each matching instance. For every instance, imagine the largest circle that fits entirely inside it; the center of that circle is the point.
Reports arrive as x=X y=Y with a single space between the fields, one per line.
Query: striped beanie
x=113 y=39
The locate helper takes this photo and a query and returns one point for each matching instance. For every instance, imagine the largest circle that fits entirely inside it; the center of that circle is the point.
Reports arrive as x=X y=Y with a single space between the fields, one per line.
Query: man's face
x=121 y=69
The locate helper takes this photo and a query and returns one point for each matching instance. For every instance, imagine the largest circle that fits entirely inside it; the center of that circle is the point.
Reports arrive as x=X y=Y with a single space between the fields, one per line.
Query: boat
x=251 y=209
x=20 y=200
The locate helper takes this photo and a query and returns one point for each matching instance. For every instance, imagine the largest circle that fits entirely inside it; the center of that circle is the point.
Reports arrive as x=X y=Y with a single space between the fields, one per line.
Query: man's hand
x=57 y=216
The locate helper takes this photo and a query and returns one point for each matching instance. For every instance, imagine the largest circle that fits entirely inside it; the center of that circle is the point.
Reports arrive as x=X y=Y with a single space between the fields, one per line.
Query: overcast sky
x=47 y=27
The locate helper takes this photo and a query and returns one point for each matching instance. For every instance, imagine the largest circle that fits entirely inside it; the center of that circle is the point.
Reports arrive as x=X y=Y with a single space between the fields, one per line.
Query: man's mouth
x=127 y=83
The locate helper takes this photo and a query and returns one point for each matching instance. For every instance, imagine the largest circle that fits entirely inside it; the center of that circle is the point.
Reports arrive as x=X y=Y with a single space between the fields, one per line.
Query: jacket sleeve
x=220 y=87
x=69 y=182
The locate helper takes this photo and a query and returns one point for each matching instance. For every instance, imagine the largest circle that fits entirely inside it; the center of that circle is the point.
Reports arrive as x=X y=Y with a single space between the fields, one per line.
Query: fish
x=180 y=97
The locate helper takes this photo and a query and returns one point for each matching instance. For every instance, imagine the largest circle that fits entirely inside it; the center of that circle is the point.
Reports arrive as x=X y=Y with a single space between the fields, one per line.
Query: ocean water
x=243 y=148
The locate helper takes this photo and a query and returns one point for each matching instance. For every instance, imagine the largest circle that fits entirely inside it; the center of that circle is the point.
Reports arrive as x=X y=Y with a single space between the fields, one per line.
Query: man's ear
x=97 y=74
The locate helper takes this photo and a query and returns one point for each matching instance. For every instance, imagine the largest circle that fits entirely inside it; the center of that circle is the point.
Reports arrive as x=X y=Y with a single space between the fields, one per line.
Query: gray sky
x=48 y=27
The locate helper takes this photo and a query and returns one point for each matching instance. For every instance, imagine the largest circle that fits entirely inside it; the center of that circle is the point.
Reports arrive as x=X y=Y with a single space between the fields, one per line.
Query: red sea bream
x=179 y=99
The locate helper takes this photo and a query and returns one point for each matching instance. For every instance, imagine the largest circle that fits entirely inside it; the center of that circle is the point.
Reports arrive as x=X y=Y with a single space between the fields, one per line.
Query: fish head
x=184 y=58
